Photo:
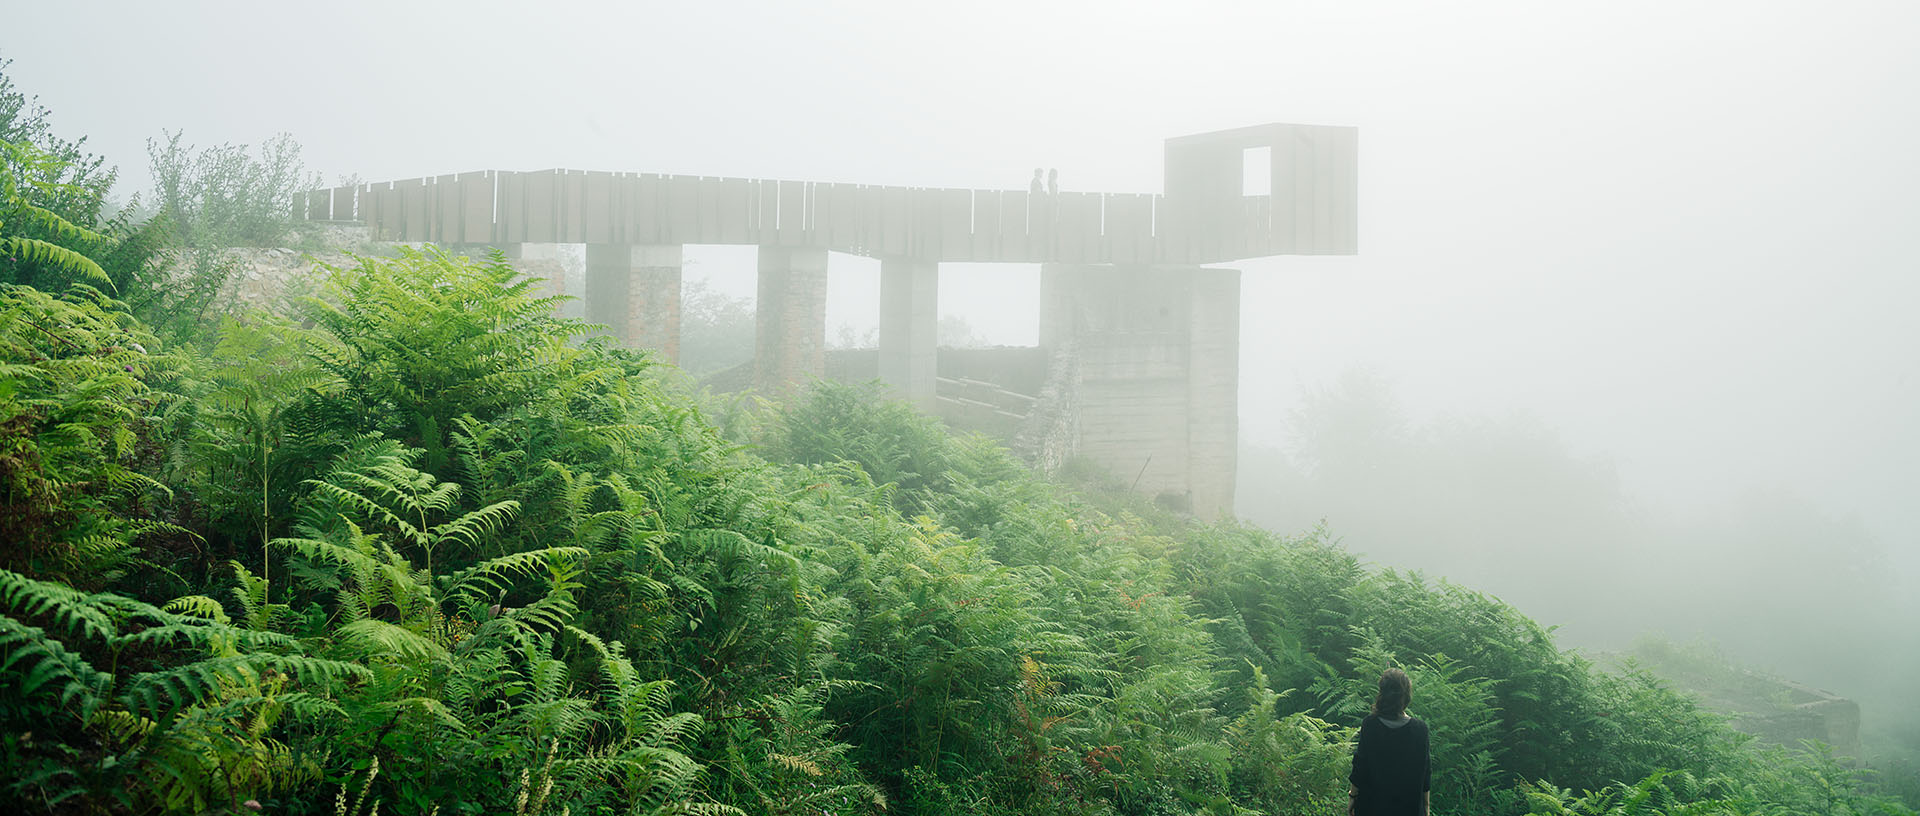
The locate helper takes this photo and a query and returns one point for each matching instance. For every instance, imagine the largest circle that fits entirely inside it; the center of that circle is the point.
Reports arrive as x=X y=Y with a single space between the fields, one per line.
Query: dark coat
x=1391 y=768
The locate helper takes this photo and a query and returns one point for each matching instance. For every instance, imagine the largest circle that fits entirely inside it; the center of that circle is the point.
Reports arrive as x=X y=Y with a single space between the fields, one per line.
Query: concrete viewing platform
x=1204 y=216
x=1141 y=340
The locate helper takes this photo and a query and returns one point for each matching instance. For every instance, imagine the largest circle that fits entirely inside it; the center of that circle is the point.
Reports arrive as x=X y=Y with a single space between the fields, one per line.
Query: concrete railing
x=938 y=224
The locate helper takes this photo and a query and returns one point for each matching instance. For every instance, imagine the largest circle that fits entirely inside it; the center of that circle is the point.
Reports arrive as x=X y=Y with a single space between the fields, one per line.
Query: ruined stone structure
x=1143 y=338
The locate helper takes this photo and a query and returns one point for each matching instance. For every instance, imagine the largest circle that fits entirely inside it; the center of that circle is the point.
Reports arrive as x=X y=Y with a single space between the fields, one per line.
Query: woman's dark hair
x=1395 y=692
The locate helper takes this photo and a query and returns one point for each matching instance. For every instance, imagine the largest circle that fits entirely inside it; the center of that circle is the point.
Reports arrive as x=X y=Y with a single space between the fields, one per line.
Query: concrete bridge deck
x=1202 y=218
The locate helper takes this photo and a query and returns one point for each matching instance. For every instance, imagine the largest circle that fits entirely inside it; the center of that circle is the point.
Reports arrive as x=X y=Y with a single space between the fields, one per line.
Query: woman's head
x=1395 y=692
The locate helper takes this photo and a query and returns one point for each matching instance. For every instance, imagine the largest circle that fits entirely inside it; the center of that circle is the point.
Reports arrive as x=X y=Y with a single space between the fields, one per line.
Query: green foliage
x=55 y=231
x=77 y=434
x=1296 y=763
x=440 y=552
x=179 y=733
x=225 y=196
x=34 y=236
x=415 y=342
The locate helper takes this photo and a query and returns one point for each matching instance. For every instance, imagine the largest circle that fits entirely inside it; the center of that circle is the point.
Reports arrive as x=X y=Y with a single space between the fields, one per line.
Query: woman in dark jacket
x=1391 y=774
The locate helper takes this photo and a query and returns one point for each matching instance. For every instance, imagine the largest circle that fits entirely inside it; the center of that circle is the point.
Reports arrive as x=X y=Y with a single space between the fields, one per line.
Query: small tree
x=225 y=195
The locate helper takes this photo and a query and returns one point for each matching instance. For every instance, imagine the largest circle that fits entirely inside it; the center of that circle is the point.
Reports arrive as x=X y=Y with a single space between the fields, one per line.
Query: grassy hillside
x=425 y=548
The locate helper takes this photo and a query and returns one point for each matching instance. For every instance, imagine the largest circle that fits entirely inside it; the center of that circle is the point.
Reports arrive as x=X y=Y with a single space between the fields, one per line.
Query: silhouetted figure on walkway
x=1392 y=771
x=1038 y=185
x=1053 y=180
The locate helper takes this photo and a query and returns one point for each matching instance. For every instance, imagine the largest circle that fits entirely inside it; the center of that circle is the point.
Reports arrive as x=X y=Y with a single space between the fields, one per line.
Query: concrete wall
x=1157 y=391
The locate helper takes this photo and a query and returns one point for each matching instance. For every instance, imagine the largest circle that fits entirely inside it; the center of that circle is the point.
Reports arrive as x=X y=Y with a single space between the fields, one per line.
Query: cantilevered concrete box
x=1311 y=205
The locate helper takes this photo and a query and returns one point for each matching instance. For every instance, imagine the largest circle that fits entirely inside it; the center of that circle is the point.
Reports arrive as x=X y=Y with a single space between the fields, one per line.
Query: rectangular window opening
x=1256 y=171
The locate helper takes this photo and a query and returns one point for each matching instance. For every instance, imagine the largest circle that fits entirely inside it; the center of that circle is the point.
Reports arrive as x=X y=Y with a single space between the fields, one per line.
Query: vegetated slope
x=429 y=550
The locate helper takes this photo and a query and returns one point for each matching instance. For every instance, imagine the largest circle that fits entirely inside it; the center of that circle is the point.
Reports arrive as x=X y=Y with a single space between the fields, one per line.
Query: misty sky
x=1687 y=236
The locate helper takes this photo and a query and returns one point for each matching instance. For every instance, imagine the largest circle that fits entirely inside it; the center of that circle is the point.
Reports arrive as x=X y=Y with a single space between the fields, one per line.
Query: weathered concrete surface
x=790 y=318
x=1156 y=396
x=634 y=290
x=909 y=318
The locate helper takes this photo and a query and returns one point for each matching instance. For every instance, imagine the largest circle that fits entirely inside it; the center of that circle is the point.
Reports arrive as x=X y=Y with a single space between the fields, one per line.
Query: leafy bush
x=224 y=195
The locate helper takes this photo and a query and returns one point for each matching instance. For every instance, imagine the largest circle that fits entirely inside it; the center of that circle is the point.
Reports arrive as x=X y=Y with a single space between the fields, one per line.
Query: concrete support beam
x=635 y=291
x=909 y=323
x=790 y=318
x=1157 y=390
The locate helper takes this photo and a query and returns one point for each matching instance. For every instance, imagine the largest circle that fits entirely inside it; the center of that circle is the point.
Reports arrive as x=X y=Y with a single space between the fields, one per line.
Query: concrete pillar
x=790 y=318
x=1213 y=390
x=909 y=324
x=634 y=290
x=1158 y=386
x=540 y=261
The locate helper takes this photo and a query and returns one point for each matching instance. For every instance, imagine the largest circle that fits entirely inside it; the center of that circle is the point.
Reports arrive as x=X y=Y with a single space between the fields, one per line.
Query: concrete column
x=790 y=318
x=635 y=291
x=1213 y=391
x=1158 y=383
x=540 y=261
x=909 y=323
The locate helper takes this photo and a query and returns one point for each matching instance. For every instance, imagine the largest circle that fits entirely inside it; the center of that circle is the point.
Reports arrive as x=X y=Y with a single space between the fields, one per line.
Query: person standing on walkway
x=1392 y=770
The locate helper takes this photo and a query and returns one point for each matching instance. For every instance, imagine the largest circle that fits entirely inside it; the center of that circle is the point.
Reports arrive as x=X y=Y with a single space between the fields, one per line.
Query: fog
x=1653 y=264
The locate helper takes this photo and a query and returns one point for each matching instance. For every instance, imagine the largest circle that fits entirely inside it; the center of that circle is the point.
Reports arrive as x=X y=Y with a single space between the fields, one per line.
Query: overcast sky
x=1686 y=235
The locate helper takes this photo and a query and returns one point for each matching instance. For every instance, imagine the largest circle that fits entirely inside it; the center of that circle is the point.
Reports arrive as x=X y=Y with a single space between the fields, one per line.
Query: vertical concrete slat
x=895 y=220
x=596 y=207
x=825 y=217
x=1283 y=229
x=683 y=210
x=956 y=225
x=1346 y=181
x=446 y=209
x=649 y=210
x=512 y=227
x=1128 y=221
x=767 y=224
x=1076 y=226
x=476 y=207
x=872 y=206
x=320 y=205
x=1303 y=193
x=793 y=205
x=369 y=209
x=707 y=194
x=415 y=208
x=573 y=207
x=392 y=212
x=542 y=192
x=734 y=211
x=1016 y=244
x=343 y=203
x=986 y=225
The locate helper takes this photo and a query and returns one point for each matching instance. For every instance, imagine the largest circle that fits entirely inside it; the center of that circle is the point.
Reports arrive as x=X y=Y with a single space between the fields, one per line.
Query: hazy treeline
x=1778 y=582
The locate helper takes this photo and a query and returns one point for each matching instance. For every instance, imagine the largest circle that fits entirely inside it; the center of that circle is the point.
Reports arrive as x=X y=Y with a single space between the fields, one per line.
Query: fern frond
x=72 y=609
x=377 y=637
x=50 y=664
x=56 y=256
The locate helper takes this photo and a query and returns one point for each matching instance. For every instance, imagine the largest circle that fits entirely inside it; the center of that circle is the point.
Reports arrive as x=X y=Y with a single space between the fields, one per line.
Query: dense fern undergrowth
x=423 y=547
x=416 y=545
